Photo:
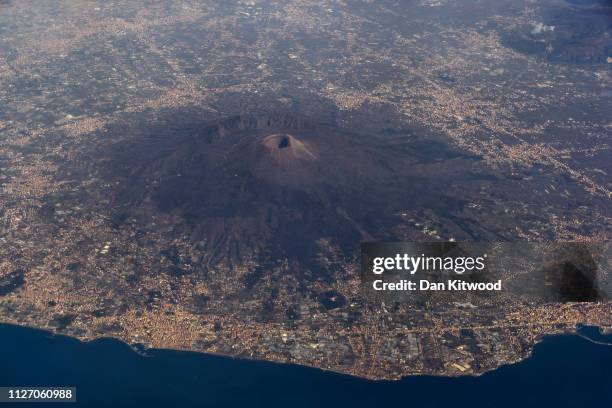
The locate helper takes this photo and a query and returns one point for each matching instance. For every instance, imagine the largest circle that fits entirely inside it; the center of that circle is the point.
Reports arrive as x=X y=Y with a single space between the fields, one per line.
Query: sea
x=564 y=371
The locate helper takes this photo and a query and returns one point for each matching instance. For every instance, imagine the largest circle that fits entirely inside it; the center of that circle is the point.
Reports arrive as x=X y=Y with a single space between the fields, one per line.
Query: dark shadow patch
x=332 y=299
x=62 y=321
x=11 y=282
x=577 y=285
x=292 y=313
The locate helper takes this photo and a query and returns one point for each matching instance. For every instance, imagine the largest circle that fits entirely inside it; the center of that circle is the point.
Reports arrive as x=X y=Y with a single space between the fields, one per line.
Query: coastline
x=148 y=352
x=108 y=372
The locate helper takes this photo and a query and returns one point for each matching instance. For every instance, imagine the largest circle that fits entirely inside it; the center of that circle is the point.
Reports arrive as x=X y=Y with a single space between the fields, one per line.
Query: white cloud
x=542 y=28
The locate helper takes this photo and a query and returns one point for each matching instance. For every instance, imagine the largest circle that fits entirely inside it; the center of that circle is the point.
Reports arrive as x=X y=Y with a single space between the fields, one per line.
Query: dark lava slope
x=275 y=184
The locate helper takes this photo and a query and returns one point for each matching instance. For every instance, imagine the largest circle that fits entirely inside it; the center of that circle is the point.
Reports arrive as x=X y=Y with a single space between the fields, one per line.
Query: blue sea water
x=564 y=371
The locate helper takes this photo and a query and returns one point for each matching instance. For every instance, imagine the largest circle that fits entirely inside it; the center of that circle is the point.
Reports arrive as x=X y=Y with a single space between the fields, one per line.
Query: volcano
x=247 y=185
x=274 y=186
